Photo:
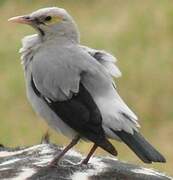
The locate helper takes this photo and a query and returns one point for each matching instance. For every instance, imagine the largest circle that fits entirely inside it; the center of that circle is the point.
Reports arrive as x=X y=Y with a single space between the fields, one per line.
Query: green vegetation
x=138 y=33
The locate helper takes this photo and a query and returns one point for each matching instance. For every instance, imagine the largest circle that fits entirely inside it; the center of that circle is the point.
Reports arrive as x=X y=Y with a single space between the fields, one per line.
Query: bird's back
x=62 y=67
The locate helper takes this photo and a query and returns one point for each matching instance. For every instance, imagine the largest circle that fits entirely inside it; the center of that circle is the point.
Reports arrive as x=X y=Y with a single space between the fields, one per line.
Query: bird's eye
x=51 y=20
x=48 y=18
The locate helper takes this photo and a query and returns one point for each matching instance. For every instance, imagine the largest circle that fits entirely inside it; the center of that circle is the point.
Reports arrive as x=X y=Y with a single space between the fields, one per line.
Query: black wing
x=81 y=114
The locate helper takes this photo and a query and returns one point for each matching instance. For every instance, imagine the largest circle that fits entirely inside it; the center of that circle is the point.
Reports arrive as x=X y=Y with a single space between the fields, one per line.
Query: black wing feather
x=82 y=114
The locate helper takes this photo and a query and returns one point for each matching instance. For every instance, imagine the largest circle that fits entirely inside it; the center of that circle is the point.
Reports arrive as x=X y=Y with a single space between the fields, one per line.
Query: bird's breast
x=42 y=109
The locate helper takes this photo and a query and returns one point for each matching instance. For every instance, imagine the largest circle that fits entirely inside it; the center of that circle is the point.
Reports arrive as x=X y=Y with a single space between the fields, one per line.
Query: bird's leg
x=85 y=161
x=62 y=153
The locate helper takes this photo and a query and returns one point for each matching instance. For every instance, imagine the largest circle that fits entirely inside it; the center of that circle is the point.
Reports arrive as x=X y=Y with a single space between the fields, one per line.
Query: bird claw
x=53 y=165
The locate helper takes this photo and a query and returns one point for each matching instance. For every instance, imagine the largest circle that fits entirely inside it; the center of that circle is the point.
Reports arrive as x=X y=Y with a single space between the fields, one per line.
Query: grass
x=139 y=33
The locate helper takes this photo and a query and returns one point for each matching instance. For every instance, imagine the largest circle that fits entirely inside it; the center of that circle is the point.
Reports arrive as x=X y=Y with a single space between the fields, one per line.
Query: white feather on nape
x=106 y=59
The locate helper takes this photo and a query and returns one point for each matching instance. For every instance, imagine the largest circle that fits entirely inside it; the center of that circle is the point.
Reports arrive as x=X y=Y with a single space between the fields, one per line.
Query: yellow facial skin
x=50 y=20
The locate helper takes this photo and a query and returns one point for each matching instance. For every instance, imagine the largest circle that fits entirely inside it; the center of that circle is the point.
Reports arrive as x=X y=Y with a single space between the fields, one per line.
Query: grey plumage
x=58 y=66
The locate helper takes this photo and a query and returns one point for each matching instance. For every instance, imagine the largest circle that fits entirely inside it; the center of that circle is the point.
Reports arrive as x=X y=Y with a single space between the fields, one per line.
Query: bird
x=72 y=87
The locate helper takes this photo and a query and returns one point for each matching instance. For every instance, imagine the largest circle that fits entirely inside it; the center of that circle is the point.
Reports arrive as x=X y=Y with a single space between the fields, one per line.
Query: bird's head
x=50 y=22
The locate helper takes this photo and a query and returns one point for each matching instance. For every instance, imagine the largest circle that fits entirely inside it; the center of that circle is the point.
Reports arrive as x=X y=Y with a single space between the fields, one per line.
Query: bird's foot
x=84 y=162
x=54 y=162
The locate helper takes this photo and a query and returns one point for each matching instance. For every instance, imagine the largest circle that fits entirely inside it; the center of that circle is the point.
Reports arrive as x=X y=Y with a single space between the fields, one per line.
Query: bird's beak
x=21 y=19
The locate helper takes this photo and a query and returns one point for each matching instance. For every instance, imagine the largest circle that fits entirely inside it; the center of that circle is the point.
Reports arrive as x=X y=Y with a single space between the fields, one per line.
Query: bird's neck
x=61 y=37
x=62 y=32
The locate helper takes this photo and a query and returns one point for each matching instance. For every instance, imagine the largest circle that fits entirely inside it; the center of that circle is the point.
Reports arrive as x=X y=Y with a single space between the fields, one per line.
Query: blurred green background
x=138 y=33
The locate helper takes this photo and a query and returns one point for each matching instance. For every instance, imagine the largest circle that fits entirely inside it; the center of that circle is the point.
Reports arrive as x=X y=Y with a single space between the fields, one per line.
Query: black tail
x=145 y=151
x=107 y=146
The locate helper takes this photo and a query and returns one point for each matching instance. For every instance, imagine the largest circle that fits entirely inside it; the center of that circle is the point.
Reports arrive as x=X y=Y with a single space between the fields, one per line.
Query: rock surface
x=32 y=163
